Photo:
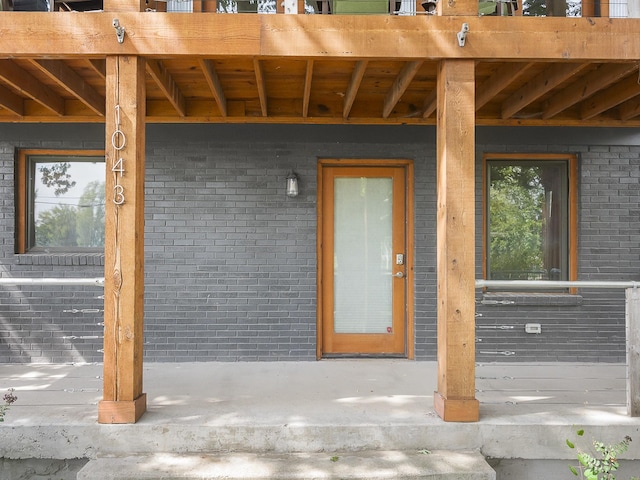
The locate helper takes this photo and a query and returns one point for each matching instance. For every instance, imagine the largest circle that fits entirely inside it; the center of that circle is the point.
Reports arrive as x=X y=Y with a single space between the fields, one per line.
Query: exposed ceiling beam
x=611 y=97
x=308 y=77
x=165 y=81
x=73 y=83
x=11 y=101
x=497 y=82
x=430 y=104
x=99 y=65
x=538 y=86
x=630 y=110
x=354 y=86
x=211 y=76
x=261 y=84
x=399 y=86
x=600 y=78
x=30 y=86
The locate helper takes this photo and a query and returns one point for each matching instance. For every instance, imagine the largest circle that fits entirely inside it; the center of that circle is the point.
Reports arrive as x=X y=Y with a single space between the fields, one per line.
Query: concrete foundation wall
x=230 y=261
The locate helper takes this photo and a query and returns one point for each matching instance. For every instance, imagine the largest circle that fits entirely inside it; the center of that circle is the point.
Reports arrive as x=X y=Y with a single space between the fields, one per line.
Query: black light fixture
x=292 y=184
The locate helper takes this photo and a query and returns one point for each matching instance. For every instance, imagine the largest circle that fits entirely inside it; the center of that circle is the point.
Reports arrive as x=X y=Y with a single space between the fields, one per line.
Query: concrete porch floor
x=527 y=410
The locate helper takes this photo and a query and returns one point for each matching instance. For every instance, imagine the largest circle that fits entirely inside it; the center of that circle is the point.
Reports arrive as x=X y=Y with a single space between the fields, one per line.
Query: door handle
x=398 y=275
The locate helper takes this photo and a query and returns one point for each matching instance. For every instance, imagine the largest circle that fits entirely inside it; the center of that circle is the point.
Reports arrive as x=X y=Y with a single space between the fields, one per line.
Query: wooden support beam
x=306 y=95
x=399 y=86
x=611 y=97
x=123 y=399
x=165 y=81
x=296 y=36
x=600 y=78
x=73 y=83
x=11 y=101
x=211 y=76
x=30 y=86
x=538 y=86
x=261 y=85
x=501 y=79
x=455 y=398
x=354 y=86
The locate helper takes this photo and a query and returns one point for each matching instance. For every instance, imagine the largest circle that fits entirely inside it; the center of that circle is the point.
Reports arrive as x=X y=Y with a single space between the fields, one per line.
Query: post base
x=127 y=411
x=456 y=409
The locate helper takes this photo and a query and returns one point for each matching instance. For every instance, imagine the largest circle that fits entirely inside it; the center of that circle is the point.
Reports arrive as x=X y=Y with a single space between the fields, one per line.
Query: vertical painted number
x=118 y=194
x=118 y=166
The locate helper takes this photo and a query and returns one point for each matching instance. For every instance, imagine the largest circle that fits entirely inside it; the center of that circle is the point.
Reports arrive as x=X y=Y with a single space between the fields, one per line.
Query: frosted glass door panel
x=362 y=255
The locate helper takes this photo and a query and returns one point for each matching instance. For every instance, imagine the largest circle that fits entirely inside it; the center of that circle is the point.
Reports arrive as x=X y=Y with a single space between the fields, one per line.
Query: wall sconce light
x=292 y=184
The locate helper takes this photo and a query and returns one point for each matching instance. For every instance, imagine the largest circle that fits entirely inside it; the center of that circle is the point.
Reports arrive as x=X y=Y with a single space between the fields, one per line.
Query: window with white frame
x=60 y=200
x=530 y=217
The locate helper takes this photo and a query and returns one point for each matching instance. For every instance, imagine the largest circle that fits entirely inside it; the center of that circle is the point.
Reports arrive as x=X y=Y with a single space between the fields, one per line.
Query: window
x=530 y=217
x=60 y=201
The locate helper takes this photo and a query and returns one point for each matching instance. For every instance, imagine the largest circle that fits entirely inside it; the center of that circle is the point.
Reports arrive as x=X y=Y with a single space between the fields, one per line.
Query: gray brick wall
x=230 y=267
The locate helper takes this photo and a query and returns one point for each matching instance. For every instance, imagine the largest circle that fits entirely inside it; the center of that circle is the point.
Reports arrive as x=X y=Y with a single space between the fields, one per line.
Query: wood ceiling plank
x=399 y=86
x=211 y=76
x=354 y=86
x=165 y=81
x=11 y=101
x=497 y=82
x=73 y=83
x=28 y=85
x=538 y=86
x=600 y=78
x=261 y=85
x=611 y=97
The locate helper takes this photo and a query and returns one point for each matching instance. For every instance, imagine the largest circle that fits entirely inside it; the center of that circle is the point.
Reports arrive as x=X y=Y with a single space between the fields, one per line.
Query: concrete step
x=369 y=465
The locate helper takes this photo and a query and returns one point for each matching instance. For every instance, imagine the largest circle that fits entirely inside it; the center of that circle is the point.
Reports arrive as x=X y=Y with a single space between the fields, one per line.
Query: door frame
x=409 y=238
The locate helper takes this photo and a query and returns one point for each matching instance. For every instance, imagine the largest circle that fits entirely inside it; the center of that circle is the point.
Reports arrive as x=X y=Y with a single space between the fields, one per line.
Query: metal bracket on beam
x=462 y=34
x=119 y=30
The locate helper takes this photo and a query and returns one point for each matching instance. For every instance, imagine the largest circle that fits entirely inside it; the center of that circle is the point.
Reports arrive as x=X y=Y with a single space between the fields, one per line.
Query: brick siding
x=230 y=261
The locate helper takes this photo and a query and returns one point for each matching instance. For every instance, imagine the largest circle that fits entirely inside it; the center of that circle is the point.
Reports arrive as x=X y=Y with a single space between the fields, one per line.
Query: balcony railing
x=558 y=8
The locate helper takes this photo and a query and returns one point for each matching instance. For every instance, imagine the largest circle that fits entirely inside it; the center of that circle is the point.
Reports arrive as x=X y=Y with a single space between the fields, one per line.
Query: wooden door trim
x=409 y=238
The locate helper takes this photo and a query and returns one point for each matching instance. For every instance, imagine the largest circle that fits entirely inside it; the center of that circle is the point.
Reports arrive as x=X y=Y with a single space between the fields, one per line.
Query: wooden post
x=632 y=306
x=455 y=399
x=123 y=400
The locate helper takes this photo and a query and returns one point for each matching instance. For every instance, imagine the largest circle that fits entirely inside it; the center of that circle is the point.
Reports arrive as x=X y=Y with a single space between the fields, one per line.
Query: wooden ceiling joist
x=11 y=101
x=27 y=84
x=306 y=94
x=538 y=86
x=496 y=83
x=165 y=81
x=261 y=85
x=630 y=110
x=99 y=65
x=430 y=104
x=211 y=76
x=611 y=97
x=600 y=78
x=354 y=85
x=73 y=83
x=399 y=86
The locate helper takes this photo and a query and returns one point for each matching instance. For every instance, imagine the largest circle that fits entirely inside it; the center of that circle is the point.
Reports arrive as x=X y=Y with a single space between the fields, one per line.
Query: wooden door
x=364 y=257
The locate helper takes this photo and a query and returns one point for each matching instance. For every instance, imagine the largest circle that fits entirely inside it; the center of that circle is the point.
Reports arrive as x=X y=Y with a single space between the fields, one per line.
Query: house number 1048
x=118 y=190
